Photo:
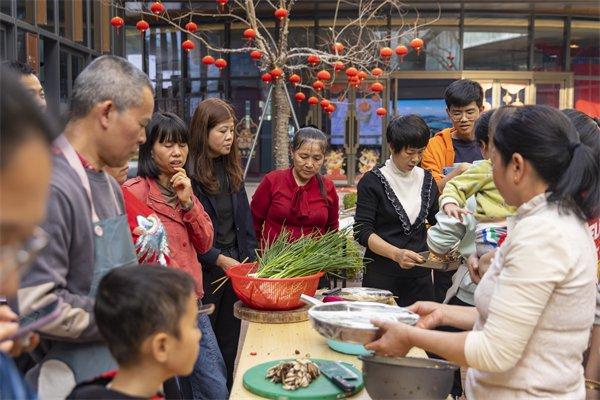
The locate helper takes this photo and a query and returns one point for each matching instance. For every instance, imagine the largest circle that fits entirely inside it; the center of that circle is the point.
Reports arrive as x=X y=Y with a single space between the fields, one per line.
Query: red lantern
x=266 y=78
x=325 y=103
x=222 y=2
x=417 y=44
x=324 y=75
x=338 y=66
x=220 y=63
x=362 y=75
x=157 y=8
x=330 y=108
x=255 y=55
x=354 y=81
x=249 y=34
x=276 y=73
x=188 y=45
x=318 y=85
x=350 y=72
x=377 y=72
x=377 y=87
x=381 y=111
x=300 y=97
x=191 y=27
x=117 y=22
x=312 y=100
x=208 y=60
x=142 y=26
x=338 y=48
x=385 y=52
x=313 y=60
x=294 y=79
x=401 y=51
x=281 y=13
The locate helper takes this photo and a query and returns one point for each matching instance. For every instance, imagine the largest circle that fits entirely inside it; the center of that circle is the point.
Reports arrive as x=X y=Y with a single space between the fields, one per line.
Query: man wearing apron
x=111 y=105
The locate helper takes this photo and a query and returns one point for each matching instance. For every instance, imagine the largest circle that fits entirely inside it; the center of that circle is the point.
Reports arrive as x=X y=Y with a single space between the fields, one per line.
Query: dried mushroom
x=294 y=374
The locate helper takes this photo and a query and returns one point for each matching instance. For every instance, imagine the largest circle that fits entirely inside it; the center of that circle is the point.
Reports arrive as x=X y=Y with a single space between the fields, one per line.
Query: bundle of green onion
x=332 y=252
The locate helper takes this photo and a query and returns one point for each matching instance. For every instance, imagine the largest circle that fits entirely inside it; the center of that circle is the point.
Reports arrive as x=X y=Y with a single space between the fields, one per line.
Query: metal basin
x=407 y=378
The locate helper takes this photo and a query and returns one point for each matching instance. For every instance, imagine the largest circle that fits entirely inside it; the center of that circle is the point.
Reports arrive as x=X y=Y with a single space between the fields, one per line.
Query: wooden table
x=278 y=341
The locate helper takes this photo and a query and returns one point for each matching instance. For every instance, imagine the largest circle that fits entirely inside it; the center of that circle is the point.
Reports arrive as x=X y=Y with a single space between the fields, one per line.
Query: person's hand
x=473 y=266
x=407 y=258
x=183 y=188
x=485 y=261
x=431 y=314
x=453 y=210
x=25 y=345
x=225 y=262
x=462 y=167
x=393 y=340
x=8 y=327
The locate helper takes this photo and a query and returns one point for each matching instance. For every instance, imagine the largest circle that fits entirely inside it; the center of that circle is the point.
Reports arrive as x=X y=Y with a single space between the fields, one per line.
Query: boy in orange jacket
x=464 y=102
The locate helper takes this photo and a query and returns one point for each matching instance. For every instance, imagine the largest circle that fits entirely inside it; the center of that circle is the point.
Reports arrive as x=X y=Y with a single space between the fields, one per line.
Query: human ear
x=160 y=347
x=518 y=167
x=103 y=110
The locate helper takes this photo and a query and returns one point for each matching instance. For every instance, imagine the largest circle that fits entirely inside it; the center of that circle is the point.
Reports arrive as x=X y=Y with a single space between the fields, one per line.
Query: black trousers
x=442 y=281
x=406 y=290
x=225 y=325
x=457 y=389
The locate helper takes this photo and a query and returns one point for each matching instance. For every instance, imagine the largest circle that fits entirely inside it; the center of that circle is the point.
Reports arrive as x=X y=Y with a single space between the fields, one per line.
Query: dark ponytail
x=312 y=133
x=549 y=141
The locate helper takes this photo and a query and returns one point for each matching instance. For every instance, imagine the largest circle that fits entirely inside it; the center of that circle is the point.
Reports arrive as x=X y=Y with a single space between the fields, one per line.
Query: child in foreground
x=148 y=316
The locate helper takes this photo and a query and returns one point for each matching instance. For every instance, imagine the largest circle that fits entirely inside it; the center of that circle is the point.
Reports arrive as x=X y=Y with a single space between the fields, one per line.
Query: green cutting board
x=319 y=389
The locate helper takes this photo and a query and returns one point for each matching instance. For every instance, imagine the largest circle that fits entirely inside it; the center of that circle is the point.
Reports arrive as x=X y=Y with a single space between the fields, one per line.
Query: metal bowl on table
x=389 y=378
x=350 y=321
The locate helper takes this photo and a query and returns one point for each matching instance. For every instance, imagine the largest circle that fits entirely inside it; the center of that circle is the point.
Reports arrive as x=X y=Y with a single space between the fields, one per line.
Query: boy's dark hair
x=135 y=302
x=463 y=92
x=20 y=117
x=164 y=127
x=407 y=131
x=482 y=127
x=19 y=67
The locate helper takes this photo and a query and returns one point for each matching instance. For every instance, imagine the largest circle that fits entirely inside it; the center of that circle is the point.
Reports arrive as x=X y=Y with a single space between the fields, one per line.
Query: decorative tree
x=351 y=45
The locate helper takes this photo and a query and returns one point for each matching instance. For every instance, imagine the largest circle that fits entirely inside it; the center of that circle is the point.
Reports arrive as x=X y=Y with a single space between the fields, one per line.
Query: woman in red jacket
x=298 y=199
x=163 y=185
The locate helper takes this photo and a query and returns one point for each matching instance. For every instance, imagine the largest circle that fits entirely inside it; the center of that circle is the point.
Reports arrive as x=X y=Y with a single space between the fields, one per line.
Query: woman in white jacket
x=535 y=305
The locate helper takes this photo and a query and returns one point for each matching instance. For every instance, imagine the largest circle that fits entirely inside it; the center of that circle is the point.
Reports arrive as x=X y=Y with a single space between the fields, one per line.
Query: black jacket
x=379 y=211
x=246 y=239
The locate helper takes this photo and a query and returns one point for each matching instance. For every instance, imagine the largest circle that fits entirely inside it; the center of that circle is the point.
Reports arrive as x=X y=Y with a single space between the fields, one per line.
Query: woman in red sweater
x=297 y=199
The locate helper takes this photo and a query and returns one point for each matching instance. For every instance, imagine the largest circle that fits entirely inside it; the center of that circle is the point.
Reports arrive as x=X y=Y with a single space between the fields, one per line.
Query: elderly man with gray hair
x=111 y=105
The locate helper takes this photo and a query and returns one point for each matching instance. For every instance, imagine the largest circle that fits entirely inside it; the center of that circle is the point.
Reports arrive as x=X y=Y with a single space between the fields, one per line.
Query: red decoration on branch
x=266 y=77
x=362 y=75
x=385 y=53
x=382 y=112
x=220 y=63
x=350 y=72
x=250 y=34
x=281 y=13
x=188 y=45
x=330 y=108
x=324 y=75
x=338 y=66
x=401 y=51
x=157 y=8
x=324 y=103
x=318 y=85
x=191 y=27
x=117 y=22
x=313 y=101
x=208 y=60
x=255 y=55
x=313 y=59
x=300 y=97
x=276 y=73
x=142 y=26
x=377 y=72
x=294 y=79
x=354 y=81
x=338 y=48
x=417 y=44
x=377 y=87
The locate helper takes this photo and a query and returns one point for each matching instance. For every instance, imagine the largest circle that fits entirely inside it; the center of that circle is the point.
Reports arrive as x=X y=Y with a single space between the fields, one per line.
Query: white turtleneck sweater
x=406 y=186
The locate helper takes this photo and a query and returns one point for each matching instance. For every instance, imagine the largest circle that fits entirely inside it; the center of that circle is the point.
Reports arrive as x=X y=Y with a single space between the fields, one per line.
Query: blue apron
x=113 y=248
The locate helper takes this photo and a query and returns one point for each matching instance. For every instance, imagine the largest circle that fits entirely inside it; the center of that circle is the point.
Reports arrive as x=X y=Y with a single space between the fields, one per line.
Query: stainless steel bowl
x=349 y=321
x=407 y=378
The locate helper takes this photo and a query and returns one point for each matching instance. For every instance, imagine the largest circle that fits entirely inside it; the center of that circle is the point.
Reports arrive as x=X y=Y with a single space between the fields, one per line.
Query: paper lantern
x=300 y=97
x=142 y=26
x=188 y=45
x=324 y=103
x=385 y=52
x=338 y=48
x=276 y=73
x=338 y=66
x=208 y=60
x=191 y=27
x=294 y=79
x=318 y=85
x=381 y=112
x=220 y=63
x=330 y=108
x=313 y=101
x=362 y=75
x=266 y=77
x=281 y=13
x=117 y=22
x=350 y=72
x=377 y=87
x=324 y=75
x=417 y=44
x=401 y=51
x=157 y=8
x=249 y=34
x=313 y=59
x=377 y=72
x=255 y=55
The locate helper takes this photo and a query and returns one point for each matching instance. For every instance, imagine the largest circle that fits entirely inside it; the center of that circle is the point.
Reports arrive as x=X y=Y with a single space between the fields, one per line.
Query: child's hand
x=452 y=210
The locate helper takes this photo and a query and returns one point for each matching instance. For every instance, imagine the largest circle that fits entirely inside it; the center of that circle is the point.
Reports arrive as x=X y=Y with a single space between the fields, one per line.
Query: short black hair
x=407 y=131
x=135 y=302
x=19 y=67
x=164 y=127
x=482 y=127
x=20 y=117
x=463 y=92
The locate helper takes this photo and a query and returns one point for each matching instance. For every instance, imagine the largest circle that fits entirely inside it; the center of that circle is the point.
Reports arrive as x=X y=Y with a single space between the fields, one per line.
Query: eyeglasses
x=20 y=256
x=458 y=115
